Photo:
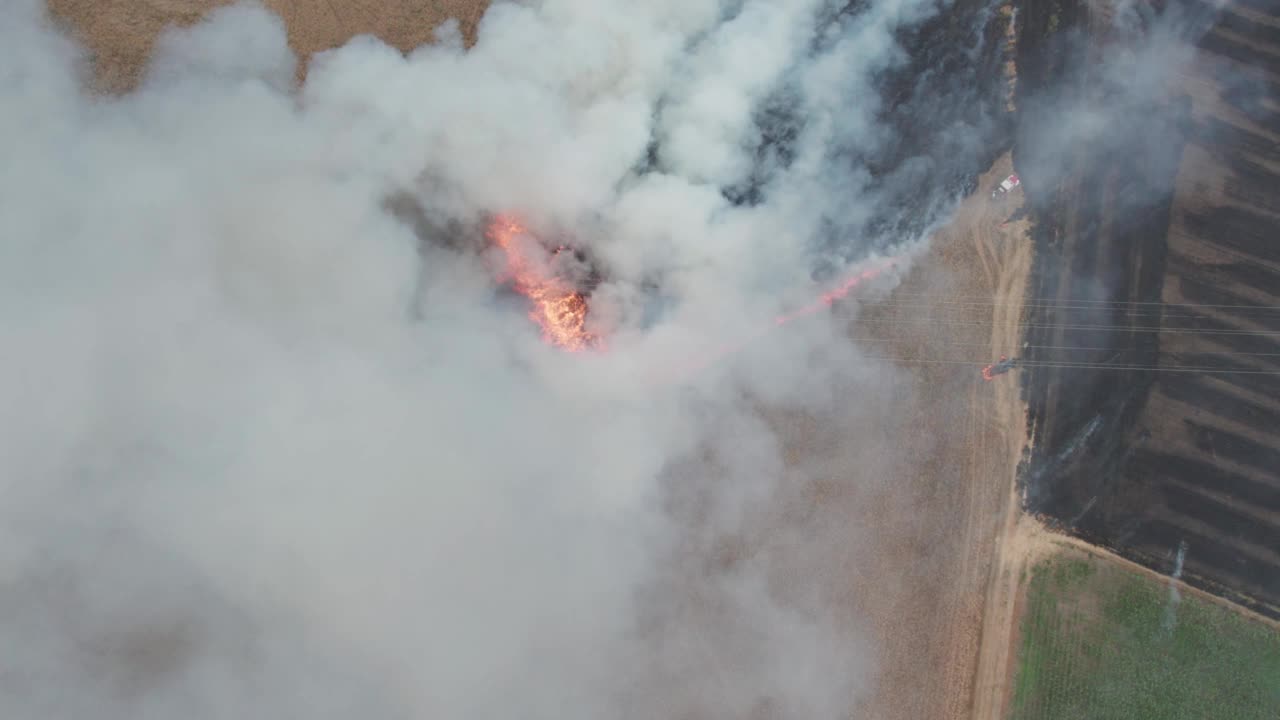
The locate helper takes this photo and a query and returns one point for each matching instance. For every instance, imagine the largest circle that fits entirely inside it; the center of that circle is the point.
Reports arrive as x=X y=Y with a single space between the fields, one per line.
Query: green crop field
x=1102 y=643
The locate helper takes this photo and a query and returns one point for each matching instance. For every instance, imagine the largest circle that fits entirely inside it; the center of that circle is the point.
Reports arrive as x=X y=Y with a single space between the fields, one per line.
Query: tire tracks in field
x=999 y=418
x=999 y=261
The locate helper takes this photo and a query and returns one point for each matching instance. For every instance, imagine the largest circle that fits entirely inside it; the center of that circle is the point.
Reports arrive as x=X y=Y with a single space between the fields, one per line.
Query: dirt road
x=1016 y=544
x=959 y=308
x=1006 y=257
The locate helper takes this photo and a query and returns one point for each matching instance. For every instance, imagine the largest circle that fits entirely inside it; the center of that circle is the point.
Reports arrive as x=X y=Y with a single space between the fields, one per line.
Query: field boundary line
x=1058 y=537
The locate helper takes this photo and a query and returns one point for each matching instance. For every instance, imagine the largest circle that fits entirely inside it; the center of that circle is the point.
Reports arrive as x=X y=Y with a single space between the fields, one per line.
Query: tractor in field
x=999 y=367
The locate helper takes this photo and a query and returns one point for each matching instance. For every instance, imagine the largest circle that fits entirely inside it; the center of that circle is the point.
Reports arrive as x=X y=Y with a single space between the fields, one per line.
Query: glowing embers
x=556 y=305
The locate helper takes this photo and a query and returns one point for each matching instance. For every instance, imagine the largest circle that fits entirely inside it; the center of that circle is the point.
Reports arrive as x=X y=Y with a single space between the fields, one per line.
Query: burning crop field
x=446 y=383
x=511 y=374
x=556 y=305
x=560 y=307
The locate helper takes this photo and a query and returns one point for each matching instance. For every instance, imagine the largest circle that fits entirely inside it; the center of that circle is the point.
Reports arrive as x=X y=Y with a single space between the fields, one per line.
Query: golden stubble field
x=120 y=33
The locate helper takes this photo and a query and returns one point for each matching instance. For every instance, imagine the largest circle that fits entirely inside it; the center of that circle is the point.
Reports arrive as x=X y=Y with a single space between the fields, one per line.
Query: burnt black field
x=1169 y=253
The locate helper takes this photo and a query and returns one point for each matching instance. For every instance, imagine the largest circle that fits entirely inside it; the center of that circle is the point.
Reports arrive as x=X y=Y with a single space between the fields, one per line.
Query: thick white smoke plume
x=269 y=449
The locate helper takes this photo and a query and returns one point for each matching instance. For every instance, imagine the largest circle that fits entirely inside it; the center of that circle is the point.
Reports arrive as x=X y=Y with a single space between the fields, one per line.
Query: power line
x=1078 y=326
x=1152 y=313
x=1080 y=366
x=1084 y=303
x=1068 y=348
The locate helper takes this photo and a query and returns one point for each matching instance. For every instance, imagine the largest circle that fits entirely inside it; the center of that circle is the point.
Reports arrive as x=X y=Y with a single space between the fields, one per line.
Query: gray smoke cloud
x=271 y=451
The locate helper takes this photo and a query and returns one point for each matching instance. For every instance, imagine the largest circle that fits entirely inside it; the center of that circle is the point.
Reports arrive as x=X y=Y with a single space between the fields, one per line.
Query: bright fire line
x=555 y=305
x=560 y=309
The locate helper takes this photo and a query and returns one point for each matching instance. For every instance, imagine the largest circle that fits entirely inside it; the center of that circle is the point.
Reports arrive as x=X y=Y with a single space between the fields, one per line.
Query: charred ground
x=942 y=121
x=1156 y=247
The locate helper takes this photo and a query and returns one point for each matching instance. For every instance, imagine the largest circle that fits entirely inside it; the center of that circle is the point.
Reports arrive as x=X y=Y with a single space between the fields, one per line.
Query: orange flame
x=556 y=306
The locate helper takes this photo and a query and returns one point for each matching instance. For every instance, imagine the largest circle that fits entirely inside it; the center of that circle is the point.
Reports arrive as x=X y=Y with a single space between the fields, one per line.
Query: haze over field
x=268 y=452
x=277 y=444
